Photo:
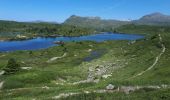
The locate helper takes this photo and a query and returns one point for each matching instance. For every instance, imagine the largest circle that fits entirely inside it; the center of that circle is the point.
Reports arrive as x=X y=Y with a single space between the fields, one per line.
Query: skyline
x=60 y=10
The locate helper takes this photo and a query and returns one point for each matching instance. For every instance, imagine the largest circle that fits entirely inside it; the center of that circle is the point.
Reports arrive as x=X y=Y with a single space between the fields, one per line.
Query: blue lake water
x=94 y=55
x=41 y=43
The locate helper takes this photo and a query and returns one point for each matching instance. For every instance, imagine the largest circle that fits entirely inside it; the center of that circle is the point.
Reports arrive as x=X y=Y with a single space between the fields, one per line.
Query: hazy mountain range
x=94 y=22
x=154 y=19
x=104 y=24
x=97 y=22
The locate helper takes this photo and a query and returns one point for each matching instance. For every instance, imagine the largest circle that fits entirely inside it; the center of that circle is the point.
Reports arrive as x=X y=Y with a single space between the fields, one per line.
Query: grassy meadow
x=122 y=59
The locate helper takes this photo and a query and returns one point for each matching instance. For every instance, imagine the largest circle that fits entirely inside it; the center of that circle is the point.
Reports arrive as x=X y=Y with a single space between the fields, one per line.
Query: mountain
x=94 y=22
x=110 y=25
x=154 y=19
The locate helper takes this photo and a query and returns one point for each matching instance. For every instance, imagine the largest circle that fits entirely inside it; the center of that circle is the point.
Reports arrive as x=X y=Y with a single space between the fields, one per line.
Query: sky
x=60 y=10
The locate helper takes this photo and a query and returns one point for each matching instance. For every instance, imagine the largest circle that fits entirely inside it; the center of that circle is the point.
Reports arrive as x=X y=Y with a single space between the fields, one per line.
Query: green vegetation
x=158 y=19
x=137 y=95
x=12 y=67
x=95 y=23
x=10 y=30
x=46 y=78
x=143 y=29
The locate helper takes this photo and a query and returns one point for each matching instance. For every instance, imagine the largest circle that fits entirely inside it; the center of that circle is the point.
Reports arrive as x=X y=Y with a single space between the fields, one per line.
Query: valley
x=134 y=68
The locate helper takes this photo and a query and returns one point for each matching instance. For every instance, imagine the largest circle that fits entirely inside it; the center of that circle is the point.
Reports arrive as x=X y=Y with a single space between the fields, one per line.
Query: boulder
x=110 y=87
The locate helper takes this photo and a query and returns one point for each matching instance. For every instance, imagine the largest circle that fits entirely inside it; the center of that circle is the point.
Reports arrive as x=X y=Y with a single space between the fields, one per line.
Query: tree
x=12 y=67
x=30 y=53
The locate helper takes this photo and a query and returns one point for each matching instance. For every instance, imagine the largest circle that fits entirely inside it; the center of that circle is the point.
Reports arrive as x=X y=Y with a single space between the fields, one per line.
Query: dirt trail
x=55 y=58
x=156 y=59
x=2 y=56
x=125 y=89
x=2 y=72
x=1 y=84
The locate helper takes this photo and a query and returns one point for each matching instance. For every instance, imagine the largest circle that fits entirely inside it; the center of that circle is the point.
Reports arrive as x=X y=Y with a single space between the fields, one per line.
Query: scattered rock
x=21 y=36
x=90 y=45
x=62 y=80
x=1 y=84
x=2 y=55
x=23 y=62
x=100 y=91
x=126 y=63
x=128 y=89
x=2 y=72
x=98 y=69
x=118 y=60
x=89 y=50
x=26 y=68
x=133 y=55
x=106 y=76
x=90 y=68
x=164 y=86
x=154 y=87
x=64 y=95
x=110 y=87
x=96 y=81
x=45 y=87
x=86 y=92
x=75 y=55
x=132 y=42
x=59 y=83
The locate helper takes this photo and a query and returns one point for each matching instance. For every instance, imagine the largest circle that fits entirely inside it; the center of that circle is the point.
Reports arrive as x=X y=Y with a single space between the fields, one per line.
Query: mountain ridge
x=154 y=19
x=94 y=22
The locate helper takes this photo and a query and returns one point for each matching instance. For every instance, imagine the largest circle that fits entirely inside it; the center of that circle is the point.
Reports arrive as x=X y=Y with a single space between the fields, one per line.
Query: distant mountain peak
x=156 y=18
x=75 y=16
x=94 y=22
x=156 y=13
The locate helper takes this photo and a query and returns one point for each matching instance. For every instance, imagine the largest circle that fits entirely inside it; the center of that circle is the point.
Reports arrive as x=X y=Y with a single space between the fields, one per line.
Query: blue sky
x=59 y=10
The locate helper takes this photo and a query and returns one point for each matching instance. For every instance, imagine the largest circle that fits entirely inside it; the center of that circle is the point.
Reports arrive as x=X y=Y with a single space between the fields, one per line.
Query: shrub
x=12 y=66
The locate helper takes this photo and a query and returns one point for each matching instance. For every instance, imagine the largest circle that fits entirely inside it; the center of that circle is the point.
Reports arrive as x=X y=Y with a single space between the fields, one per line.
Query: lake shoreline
x=42 y=36
x=45 y=42
x=55 y=36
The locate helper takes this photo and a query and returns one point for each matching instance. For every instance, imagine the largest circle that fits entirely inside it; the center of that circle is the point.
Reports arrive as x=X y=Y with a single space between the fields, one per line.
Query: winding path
x=125 y=89
x=1 y=84
x=55 y=58
x=156 y=60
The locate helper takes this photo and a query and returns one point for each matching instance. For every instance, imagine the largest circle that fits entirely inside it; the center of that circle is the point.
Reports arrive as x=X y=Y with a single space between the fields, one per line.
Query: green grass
x=129 y=60
x=137 y=95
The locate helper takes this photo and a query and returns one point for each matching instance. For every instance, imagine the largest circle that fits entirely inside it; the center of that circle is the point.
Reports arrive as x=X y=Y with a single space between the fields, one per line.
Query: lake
x=42 y=43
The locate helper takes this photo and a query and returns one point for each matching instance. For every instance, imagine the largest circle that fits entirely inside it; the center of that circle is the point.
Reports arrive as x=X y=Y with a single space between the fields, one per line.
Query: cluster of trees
x=12 y=67
x=11 y=28
x=132 y=28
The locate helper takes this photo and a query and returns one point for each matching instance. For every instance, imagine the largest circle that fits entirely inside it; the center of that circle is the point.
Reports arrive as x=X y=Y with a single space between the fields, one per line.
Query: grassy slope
x=11 y=30
x=138 y=95
x=133 y=58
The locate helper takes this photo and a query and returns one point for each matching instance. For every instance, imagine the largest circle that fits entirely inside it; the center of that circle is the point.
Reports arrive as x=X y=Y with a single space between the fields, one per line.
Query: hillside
x=97 y=23
x=73 y=26
x=10 y=29
x=154 y=19
x=119 y=69
x=138 y=70
x=94 y=22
